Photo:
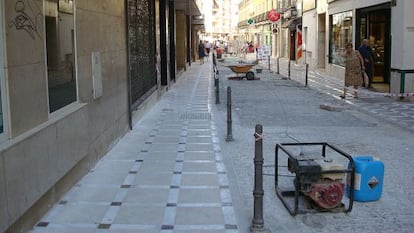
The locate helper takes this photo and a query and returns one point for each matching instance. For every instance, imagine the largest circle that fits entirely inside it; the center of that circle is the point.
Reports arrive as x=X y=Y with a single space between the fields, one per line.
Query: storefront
x=354 y=25
x=374 y=23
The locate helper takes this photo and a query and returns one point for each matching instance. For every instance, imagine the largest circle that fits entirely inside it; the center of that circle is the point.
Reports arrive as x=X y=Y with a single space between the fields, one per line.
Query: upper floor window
x=59 y=21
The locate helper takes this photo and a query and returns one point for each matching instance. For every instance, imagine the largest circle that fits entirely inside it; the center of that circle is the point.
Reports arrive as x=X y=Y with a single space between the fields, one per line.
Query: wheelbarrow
x=243 y=69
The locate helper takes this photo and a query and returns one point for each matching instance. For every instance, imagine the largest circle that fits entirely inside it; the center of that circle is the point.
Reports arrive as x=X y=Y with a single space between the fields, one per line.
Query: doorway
x=374 y=24
x=292 y=47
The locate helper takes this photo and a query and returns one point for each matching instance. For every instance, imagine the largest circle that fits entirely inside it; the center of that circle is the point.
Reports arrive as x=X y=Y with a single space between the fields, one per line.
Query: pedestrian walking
x=366 y=52
x=354 y=65
x=201 y=53
x=208 y=49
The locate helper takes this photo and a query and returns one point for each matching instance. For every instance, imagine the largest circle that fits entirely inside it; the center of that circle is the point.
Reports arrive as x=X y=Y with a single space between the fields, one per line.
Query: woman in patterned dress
x=354 y=65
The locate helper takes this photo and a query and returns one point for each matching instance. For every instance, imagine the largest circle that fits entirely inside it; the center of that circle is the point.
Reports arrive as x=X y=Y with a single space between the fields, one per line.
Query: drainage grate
x=195 y=116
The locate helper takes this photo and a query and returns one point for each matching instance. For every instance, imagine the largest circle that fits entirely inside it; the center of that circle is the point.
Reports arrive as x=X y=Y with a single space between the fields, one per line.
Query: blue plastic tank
x=369 y=179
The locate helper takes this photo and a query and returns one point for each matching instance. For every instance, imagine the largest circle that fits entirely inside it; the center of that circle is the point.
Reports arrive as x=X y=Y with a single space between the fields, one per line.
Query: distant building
x=220 y=19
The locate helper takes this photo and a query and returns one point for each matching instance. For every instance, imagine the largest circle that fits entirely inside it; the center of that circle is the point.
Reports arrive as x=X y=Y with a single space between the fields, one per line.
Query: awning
x=190 y=6
x=291 y=23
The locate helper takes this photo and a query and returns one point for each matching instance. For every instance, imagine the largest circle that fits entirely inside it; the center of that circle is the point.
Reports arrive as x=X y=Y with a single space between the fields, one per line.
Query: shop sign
x=273 y=16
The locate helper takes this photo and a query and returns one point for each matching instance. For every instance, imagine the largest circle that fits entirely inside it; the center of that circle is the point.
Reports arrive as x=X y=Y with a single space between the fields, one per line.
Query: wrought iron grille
x=141 y=49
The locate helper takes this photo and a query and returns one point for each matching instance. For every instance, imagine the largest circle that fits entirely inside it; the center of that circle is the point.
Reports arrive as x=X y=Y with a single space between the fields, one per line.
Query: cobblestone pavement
x=290 y=112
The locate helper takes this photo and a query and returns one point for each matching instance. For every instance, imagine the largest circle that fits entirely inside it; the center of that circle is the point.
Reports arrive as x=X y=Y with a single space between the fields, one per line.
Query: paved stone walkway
x=166 y=175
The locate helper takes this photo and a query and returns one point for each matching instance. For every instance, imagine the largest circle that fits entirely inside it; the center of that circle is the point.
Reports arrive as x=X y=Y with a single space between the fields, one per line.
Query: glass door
x=374 y=24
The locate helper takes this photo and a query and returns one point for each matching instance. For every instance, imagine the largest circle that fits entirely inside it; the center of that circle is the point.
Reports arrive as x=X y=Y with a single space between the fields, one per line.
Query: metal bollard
x=268 y=62
x=289 y=69
x=229 y=122
x=258 y=222
x=306 y=74
x=217 y=85
x=277 y=67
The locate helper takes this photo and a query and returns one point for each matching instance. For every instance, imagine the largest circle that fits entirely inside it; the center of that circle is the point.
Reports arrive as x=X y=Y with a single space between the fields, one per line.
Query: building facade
x=254 y=25
x=388 y=25
x=75 y=76
x=316 y=31
x=220 y=19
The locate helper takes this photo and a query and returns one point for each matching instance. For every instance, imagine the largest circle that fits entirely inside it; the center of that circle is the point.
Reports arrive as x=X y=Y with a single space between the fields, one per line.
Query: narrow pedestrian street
x=166 y=175
x=175 y=171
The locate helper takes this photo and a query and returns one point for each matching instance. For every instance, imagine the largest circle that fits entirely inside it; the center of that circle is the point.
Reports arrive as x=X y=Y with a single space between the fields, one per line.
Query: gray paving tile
x=164 y=147
x=119 y=155
x=199 y=147
x=199 y=126
x=154 y=178
x=165 y=155
x=199 y=216
x=199 y=195
x=199 y=155
x=104 y=178
x=53 y=228
x=147 y=195
x=80 y=214
x=200 y=231
x=169 y=132
x=199 y=180
x=199 y=132
x=113 y=166
x=145 y=215
x=205 y=139
x=129 y=147
x=151 y=166
x=173 y=140
x=115 y=229
x=97 y=194
x=200 y=167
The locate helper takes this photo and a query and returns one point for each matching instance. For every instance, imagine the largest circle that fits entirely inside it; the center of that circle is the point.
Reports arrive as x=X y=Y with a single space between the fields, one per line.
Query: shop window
x=59 y=23
x=341 y=34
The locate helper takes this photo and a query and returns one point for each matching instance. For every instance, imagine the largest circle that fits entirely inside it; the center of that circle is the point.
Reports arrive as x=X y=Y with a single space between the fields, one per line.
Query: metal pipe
x=277 y=71
x=306 y=74
x=229 y=121
x=289 y=69
x=217 y=85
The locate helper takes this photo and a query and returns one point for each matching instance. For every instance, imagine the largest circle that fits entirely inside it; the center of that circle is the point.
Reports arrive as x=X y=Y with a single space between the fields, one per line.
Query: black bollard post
x=306 y=74
x=217 y=84
x=268 y=62
x=289 y=69
x=229 y=122
x=215 y=70
x=277 y=70
x=258 y=222
x=215 y=79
